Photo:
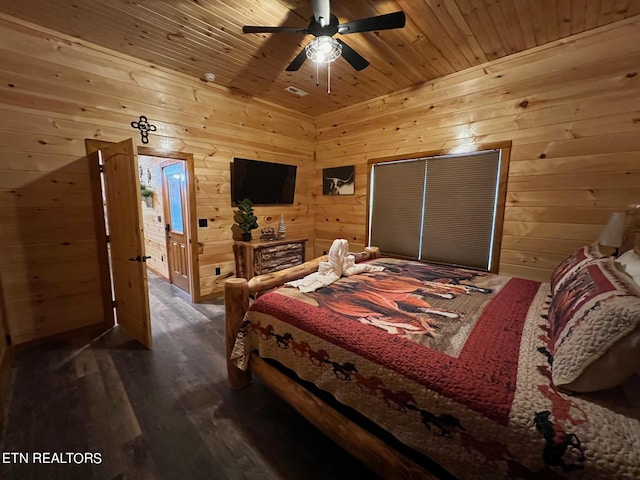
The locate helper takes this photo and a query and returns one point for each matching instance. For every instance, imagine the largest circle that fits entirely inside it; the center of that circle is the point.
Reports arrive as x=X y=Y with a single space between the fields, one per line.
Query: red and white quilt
x=456 y=364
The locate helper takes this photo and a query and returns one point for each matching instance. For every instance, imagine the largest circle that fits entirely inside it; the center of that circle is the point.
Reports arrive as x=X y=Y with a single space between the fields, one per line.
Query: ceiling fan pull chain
x=317 y=74
x=328 y=78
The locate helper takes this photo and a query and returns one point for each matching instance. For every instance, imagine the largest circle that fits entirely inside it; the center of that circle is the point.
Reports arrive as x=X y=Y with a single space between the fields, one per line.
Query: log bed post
x=236 y=304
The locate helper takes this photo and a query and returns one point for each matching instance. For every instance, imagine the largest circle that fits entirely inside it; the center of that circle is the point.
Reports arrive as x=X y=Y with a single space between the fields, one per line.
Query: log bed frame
x=380 y=457
x=383 y=459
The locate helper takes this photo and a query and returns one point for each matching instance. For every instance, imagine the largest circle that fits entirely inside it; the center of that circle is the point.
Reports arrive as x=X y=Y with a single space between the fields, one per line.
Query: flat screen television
x=264 y=183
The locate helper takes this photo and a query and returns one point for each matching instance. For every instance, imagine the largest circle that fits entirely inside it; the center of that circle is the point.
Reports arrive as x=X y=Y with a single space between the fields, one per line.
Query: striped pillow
x=585 y=255
x=595 y=328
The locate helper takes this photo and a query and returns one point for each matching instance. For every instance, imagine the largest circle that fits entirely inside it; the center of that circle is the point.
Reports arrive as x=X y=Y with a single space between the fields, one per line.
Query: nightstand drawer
x=279 y=263
x=277 y=257
x=288 y=247
x=257 y=258
x=278 y=252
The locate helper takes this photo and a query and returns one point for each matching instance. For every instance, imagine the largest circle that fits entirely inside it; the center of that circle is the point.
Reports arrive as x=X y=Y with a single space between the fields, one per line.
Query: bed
x=466 y=374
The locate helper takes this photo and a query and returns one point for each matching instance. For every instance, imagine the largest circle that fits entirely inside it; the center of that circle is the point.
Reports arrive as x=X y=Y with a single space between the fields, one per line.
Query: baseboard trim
x=38 y=342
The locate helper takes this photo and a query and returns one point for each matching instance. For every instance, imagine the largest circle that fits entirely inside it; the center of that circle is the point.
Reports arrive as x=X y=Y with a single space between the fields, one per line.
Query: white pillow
x=630 y=263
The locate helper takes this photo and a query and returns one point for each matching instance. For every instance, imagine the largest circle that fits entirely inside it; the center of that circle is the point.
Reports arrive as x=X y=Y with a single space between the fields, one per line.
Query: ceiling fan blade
x=258 y=29
x=380 y=22
x=354 y=58
x=297 y=62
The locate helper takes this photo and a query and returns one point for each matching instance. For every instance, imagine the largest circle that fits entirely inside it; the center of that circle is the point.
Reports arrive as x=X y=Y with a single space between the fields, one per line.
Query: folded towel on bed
x=340 y=263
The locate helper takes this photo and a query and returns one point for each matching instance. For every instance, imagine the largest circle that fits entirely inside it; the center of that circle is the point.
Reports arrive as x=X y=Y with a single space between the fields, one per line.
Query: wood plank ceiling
x=197 y=36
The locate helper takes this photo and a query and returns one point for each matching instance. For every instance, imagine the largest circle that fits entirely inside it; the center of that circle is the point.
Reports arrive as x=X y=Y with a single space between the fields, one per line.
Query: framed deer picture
x=338 y=180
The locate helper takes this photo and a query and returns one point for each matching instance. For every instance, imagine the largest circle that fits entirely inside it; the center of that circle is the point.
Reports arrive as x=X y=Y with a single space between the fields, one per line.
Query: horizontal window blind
x=396 y=207
x=459 y=209
x=438 y=209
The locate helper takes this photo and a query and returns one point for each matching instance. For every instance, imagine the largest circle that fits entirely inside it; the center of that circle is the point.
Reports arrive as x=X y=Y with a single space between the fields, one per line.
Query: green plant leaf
x=247 y=220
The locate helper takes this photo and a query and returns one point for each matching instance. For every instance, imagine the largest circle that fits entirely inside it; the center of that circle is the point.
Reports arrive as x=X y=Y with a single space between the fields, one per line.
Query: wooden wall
x=49 y=266
x=572 y=111
x=56 y=91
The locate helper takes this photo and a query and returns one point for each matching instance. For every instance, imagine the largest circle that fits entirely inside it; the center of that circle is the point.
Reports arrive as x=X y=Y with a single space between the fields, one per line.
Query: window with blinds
x=440 y=209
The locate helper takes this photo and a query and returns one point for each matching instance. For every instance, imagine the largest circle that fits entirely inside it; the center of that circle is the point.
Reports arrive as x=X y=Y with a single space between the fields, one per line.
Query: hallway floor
x=165 y=413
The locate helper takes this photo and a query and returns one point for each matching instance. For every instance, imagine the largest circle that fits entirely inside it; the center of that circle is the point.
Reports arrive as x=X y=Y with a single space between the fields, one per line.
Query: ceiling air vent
x=296 y=91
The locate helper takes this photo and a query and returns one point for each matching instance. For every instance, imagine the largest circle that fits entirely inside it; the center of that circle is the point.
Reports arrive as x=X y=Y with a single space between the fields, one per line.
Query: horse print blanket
x=456 y=364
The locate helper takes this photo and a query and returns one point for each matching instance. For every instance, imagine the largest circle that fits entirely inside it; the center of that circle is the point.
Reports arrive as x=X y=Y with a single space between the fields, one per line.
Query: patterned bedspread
x=454 y=363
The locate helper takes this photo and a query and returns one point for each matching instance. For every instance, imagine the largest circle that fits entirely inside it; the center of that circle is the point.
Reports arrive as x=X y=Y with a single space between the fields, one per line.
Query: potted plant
x=246 y=219
x=147 y=195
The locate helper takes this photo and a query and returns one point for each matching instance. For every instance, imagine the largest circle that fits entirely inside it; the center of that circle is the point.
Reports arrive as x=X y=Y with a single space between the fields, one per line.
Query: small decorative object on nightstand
x=267 y=233
x=282 y=227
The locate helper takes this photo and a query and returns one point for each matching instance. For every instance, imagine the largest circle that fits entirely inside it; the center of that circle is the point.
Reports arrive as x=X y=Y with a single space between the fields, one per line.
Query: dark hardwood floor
x=160 y=414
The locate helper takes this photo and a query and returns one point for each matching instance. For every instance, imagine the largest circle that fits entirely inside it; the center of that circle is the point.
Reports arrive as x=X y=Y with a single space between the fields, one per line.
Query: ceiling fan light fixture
x=323 y=49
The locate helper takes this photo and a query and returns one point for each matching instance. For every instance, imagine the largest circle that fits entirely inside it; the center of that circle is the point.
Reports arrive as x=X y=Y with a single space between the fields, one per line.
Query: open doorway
x=167 y=215
x=138 y=175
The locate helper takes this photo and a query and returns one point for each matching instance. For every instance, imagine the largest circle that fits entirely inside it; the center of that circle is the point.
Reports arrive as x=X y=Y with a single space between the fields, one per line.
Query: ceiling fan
x=323 y=25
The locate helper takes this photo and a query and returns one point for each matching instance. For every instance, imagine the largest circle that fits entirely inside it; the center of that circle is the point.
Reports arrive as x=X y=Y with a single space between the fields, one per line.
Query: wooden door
x=175 y=207
x=3 y=343
x=126 y=240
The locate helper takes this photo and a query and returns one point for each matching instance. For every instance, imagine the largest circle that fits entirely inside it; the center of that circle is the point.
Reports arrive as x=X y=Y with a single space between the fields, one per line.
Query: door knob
x=139 y=258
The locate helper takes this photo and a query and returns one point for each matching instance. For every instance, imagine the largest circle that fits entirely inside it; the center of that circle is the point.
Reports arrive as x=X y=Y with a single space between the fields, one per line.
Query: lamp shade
x=611 y=236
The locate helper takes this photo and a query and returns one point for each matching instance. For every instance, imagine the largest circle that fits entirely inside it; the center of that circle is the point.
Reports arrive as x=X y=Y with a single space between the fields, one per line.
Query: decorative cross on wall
x=145 y=127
